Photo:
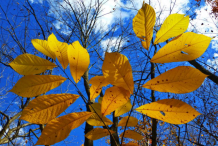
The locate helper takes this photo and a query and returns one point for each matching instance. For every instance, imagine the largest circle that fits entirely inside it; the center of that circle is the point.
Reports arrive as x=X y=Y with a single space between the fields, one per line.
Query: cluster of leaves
x=117 y=71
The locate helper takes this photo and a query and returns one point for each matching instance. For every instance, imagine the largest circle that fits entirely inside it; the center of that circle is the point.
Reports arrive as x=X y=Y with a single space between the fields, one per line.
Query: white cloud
x=112 y=43
x=36 y=1
x=205 y=24
x=113 y=10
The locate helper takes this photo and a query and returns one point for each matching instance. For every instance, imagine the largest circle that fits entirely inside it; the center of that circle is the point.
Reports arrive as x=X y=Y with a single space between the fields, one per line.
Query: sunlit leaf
x=132 y=134
x=33 y=85
x=143 y=24
x=114 y=97
x=42 y=46
x=98 y=133
x=118 y=71
x=100 y=99
x=97 y=83
x=188 y=46
x=96 y=120
x=174 y=25
x=123 y=109
x=132 y=121
x=47 y=107
x=182 y=79
x=58 y=129
x=78 y=59
x=169 y=110
x=60 y=50
x=27 y=64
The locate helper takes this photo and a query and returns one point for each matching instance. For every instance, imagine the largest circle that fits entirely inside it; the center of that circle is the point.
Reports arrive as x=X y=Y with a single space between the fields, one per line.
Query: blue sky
x=112 y=11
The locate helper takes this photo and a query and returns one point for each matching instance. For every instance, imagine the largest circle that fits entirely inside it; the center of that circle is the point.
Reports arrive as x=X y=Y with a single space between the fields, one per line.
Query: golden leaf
x=188 y=46
x=118 y=71
x=60 y=50
x=143 y=24
x=79 y=60
x=132 y=134
x=33 y=85
x=182 y=79
x=47 y=107
x=58 y=129
x=98 y=133
x=42 y=46
x=169 y=110
x=114 y=97
x=97 y=83
x=96 y=120
x=174 y=25
x=123 y=109
x=27 y=64
x=131 y=122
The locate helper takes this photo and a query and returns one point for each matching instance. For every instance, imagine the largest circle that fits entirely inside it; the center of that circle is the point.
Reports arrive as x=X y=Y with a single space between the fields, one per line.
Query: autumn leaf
x=97 y=120
x=97 y=83
x=43 y=47
x=123 y=109
x=33 y=85
x=169 y=110
x=58 y=129
x=100 y=99
x=98 y=133
x=143 y=24
x=27 y=64
x=132 y=121
x=132 y=134
x=78 y=59
x=47 y=107
x=114 y=97
x=182 y=79
x=118 y=71
x=60 y=50
x=188 y=46
x=174 y=25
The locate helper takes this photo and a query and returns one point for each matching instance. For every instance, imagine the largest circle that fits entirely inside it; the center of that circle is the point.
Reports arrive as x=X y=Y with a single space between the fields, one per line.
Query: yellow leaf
x=123 y=109
x=131 y=122
x=58 y=129
x=114 y=97
x=95 y=120
x=130 y=144
x=143 y=24
x=79 y=60
x=60 y=50
x=98 y=133
x=132 y=134
x=44 y=108
x=182 y=79
x=42 y=46
x=27 y=64
x=174 y=25
x=96 y=107
x=169 y=110
x=97 y=83
x=118 y=71
x=100 y=99
x=188 y=46
x=33 y=85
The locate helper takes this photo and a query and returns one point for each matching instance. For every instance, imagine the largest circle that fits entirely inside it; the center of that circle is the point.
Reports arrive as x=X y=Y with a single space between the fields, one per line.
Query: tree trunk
x=88 y=127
